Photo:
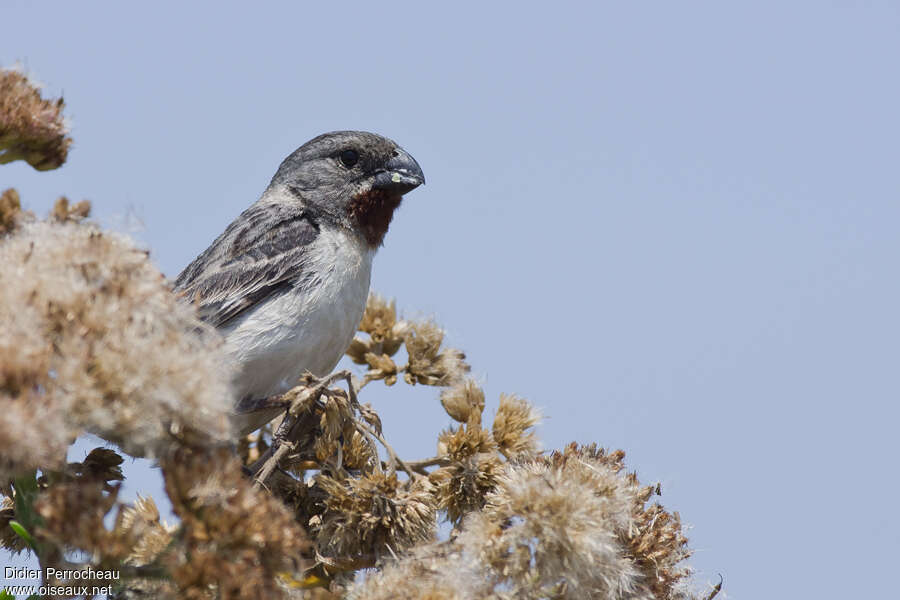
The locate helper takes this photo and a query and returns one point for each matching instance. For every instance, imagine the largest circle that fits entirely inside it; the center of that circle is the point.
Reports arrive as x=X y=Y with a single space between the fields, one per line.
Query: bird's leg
x=298 y=400
x=249 y=404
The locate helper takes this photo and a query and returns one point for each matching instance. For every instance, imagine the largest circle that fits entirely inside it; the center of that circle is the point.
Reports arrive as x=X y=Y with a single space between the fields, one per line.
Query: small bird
x=286 y=283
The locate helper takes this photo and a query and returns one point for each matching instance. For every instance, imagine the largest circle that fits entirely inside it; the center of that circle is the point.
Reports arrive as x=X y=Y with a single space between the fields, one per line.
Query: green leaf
x=26 y=488
x=23 y=533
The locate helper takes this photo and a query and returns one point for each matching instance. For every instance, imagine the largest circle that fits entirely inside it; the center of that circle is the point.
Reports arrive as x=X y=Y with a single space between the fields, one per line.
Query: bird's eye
x=349 y=158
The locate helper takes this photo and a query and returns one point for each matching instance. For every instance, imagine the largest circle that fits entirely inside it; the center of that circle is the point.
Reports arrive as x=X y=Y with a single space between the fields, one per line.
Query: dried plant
x=10 y=210
x=31 y=128
x=235 y=540
x=92 y=339
x=560 y=526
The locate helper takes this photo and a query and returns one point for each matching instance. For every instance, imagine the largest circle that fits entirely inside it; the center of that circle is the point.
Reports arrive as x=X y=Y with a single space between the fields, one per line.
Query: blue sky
x=672 y=226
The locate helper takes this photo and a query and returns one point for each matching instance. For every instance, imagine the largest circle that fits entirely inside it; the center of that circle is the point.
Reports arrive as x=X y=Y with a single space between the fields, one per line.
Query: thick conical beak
x=400 y=174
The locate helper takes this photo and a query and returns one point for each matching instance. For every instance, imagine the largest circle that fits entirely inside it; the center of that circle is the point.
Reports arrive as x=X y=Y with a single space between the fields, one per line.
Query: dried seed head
x=93 y=336
x=91 y=501
x=63 y=211
x=570 y=525
x=358 y=349
x=381 y=367
x=374 y=513
x=464 y=401
x=336 y=420
x=358 y=453
x=462 y=486
x=234 y=540
x=31 y=129
x=10 y=210
x=512 y=427
x=428 y=364
x=546 y=532
x=142 y=523
x=379 y=317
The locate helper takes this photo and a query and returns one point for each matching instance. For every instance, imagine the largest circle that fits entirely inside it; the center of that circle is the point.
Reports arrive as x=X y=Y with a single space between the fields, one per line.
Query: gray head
x=354 y=179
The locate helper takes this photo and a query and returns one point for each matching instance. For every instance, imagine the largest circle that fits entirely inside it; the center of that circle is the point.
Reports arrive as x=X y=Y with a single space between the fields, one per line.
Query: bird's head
x=355 y=179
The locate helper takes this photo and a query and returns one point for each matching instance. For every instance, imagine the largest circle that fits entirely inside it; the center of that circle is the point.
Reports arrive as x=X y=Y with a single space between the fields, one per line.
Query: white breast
x=275 y=342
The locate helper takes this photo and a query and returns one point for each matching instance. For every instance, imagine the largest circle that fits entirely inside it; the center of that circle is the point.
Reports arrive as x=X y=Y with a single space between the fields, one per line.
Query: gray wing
x=262 y=253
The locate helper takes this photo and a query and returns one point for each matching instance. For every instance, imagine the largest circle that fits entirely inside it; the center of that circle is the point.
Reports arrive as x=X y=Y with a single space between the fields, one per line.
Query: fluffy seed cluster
x=31 y=128
x=236 y=541
x=91 y=501
x=563 y=526
x=374 y=515
x=91 y=338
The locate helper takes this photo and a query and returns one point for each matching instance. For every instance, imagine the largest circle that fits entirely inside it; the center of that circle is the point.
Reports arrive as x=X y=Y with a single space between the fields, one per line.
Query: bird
x=286 y=283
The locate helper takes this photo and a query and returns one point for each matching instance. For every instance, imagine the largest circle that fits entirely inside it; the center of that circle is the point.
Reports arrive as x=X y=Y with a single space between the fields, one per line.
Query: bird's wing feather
x=262 y=253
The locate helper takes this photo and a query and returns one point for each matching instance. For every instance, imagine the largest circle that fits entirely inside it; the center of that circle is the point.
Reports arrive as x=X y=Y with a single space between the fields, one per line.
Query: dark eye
x=349 y=158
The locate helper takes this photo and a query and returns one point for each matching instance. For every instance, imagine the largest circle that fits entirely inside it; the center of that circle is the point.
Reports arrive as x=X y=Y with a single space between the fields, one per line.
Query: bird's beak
x=400 y=174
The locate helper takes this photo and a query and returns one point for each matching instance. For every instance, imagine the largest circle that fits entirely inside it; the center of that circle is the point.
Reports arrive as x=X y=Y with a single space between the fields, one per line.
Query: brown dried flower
x=379 y=318
x=464 y=401
x=512 y=428
x=10 y=210
x=381 y=367
x=358 y=349
x=386 y=333
x=142 y=523
x=31 y=129
x=91 y=501
x=373 y=515
x=237 y=540
x=358 y=453
x=428 y=364
x=63 y=211
x=567 y=526
x=462 y=486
